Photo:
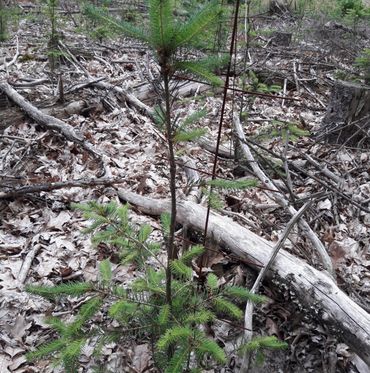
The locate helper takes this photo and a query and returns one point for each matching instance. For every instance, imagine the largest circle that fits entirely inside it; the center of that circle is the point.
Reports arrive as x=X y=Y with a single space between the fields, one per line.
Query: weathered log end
x=347 y=120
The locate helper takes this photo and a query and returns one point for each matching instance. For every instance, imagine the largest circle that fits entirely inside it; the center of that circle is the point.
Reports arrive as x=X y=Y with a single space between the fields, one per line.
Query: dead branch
x=50 y=122
x=248 y=314
x=48 y=187
x=279 y=198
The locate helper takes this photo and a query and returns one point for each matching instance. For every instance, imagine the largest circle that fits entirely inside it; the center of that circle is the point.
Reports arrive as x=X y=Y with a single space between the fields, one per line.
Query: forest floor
x=40 y=236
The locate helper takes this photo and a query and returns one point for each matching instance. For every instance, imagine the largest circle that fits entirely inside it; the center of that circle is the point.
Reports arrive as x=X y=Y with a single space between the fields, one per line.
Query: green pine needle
x=197 y=24
x=233 y=184
x=144 y=232
x=225 y=306
x=71 y=354
x=51 y=292
x=164 y=315
x=210 y=347
x=165 y=223
x=200 y=317
x=105 y=268
x=161 y=23
x=124 y=27
x=192 y=253
x=123 y=310
x=58 y=325
x=243 y=294
x=174 y=335
x=265 y=342
x=193 y=118
x=46 y=349
x=178 y=360
x=181 y=269
x=184 y=136
x=200 y=70
x=87 y=311
x=212 y=281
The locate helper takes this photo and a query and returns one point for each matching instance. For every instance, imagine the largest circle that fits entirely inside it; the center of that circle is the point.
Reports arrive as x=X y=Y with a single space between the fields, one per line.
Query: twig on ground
x=82 y=183
x=6 y=65
x=248 y=315
x=280 y=198
x=54 y=124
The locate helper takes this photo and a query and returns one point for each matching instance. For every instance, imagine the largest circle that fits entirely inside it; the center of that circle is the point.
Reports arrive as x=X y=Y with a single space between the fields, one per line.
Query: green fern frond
x=46 y=349
x=198 y=23
x=233 y=184
x=225 y=306
x=243 y=294
x=199 y=70
x=178 y=360
x=51 y=292
x=105 y=268
x=174 y=335
x=184 y=136
x=212 y=281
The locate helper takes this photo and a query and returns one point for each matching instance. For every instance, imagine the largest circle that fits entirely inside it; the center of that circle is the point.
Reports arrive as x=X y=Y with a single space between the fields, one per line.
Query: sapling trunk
x=171 y=160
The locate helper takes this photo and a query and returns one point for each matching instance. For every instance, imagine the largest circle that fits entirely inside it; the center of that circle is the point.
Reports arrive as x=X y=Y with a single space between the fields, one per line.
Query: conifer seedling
x=164 y=307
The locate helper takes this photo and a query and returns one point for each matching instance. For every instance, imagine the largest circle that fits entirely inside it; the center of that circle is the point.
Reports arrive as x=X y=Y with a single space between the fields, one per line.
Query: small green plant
x=133 y=243
x=167 y=38
x=50 y=10
x=8 y=15
x=141 y=310
x=353 y=6
x=363 y=63
x=285 y=129
x=3 y=22
x=282 y=129
x=257 y=86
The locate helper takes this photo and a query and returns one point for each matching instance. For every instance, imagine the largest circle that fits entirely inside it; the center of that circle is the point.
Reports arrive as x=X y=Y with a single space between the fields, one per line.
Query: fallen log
x=314 y=289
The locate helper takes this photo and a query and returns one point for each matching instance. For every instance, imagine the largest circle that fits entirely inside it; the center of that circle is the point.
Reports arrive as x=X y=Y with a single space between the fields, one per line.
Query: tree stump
x=281 y=39
x=347 y=120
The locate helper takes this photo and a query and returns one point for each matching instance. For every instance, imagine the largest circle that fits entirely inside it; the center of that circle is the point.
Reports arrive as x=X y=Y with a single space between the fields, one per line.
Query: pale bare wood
x=315 y=290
